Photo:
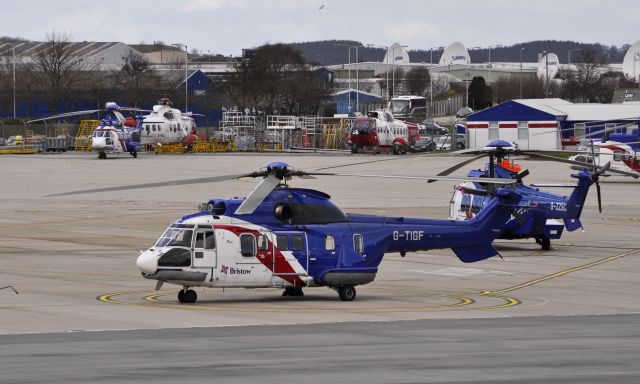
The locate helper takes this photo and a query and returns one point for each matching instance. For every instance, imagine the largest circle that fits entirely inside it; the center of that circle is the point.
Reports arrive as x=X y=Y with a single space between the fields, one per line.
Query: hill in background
x=329 y=52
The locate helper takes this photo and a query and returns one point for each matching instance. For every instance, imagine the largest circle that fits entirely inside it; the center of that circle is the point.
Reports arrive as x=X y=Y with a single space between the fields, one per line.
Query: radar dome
x=548 y=66
x=455 y=53
x=631 y=62
x=396 y=55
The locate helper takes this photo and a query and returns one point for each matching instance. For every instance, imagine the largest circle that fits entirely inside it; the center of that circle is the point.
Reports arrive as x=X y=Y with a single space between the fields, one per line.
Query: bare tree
x=136 y=76
x=417 y=80
x=585 y=83
x=275 y=79
x=60 y=68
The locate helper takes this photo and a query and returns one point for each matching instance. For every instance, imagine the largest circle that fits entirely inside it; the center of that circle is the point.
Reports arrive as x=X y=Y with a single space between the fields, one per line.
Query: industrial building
x=546 y=123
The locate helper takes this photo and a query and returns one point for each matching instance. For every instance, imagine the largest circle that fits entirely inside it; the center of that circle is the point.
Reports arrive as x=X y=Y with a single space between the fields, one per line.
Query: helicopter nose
x=98 y=143
x=147 y=263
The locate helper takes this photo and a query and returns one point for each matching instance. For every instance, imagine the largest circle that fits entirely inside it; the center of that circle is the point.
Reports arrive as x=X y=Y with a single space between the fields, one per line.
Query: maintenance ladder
x=83 y=138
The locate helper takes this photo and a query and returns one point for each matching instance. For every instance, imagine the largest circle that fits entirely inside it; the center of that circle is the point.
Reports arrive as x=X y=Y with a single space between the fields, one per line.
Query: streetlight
x=386 y=71
x=431 y=77
x=393 y=91
x=569 y=56
x=13 y=60
x=521 y=50
x=186 y=76
x=357 y=75
x=492 y=46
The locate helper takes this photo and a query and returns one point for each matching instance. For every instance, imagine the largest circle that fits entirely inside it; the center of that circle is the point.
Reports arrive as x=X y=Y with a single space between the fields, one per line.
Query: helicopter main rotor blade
x=200 y=180
x=581 y=163
x=486 y=180
x=448 y=171
x=66 y=114
x=257 y=196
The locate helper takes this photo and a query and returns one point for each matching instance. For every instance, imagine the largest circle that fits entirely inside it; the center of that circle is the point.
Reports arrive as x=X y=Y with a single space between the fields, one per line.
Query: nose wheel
x=187 y=296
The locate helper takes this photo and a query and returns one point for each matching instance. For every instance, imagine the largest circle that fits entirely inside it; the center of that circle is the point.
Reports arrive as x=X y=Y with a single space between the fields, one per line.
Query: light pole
x=186 y=75
x=393 y=91
x=386 y=70
x=357 y=75
x=13 y=60
x=431 y=78
x=492 y=46
x=521 y=50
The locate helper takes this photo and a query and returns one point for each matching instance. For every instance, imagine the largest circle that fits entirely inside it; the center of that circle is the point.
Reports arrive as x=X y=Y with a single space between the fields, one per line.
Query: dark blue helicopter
x=547 y=214
x=293 y=238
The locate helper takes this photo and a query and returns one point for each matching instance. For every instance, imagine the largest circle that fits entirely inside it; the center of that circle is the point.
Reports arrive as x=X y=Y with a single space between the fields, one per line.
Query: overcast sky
x=227 y=26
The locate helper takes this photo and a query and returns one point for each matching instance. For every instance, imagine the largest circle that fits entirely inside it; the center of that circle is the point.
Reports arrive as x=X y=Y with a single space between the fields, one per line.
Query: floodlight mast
x=186 y=76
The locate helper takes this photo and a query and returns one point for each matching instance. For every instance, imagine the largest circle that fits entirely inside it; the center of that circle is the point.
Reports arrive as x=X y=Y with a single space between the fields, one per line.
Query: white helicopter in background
x=165 y=125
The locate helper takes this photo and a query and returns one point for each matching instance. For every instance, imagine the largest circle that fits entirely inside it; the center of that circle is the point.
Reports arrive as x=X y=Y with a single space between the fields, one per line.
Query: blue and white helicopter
x=548 y=214
x=115 y=134
x=293 y=238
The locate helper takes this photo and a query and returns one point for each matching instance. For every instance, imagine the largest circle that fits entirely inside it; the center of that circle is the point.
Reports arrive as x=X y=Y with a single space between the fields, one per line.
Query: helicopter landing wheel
x=134 y=154
x=102 y=155
x=293 y=291
x=545 y=243
x=354 y=149
x=347 y=292
x=187 y=296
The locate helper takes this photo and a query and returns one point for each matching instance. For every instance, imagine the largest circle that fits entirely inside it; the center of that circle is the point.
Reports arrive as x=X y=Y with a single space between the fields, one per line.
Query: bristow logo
x=234 y=271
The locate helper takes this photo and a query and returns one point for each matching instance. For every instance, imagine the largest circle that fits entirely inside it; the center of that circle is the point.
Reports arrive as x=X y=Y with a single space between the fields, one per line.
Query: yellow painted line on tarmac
x=562 y=273
x=509 y=302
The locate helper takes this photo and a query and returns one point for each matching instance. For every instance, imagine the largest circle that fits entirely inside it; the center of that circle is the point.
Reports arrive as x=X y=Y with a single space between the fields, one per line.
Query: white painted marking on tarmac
x=461 y=272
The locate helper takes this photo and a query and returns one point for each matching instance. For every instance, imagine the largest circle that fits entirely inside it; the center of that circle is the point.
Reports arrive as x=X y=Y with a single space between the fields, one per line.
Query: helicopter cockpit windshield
x=176 y=236
x=363 y=126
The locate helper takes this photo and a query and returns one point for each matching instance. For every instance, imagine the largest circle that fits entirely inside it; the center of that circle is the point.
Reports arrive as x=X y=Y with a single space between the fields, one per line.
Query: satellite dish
x=396 y=55
x=455 y=53
x=631 y=62
x=548 y=66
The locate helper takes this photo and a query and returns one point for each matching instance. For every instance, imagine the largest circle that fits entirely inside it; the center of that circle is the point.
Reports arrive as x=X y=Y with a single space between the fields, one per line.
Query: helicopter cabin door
x=204 y=248
x=291 y=254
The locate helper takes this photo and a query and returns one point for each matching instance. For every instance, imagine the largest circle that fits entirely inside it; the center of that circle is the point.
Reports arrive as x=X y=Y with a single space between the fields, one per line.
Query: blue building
x=546 y=123
x=347 y=102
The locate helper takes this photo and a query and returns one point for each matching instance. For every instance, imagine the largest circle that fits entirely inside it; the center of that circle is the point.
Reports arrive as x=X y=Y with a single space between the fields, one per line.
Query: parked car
x=444 y=142
x=464 y=112
x=432 y=129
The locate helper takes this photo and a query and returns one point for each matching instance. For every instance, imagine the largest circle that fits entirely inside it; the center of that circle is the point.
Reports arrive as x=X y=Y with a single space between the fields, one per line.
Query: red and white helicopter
x=622 y=156
x=380 y=130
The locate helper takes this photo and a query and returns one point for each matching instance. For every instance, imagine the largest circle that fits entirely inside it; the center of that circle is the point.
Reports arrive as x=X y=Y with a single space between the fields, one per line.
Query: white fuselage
x=217 y=251
x=107 y=140
x=621 y=156
x=165 y=125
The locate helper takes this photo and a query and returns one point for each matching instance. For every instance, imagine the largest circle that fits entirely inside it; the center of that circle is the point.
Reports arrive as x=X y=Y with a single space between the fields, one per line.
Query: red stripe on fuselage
x=278 y=263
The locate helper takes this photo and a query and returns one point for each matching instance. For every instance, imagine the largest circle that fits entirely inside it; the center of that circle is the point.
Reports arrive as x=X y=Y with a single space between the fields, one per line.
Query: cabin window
x=263 y=243
x=283 y=242
x=494 y=130
x=199 y=240
x=358 y=244
x=209 y=240
x=329 y=243
x=523 y=130
x=617 y=156
x=297 y=243
x=579 y=129
x=147 y=127
x=247 y=245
